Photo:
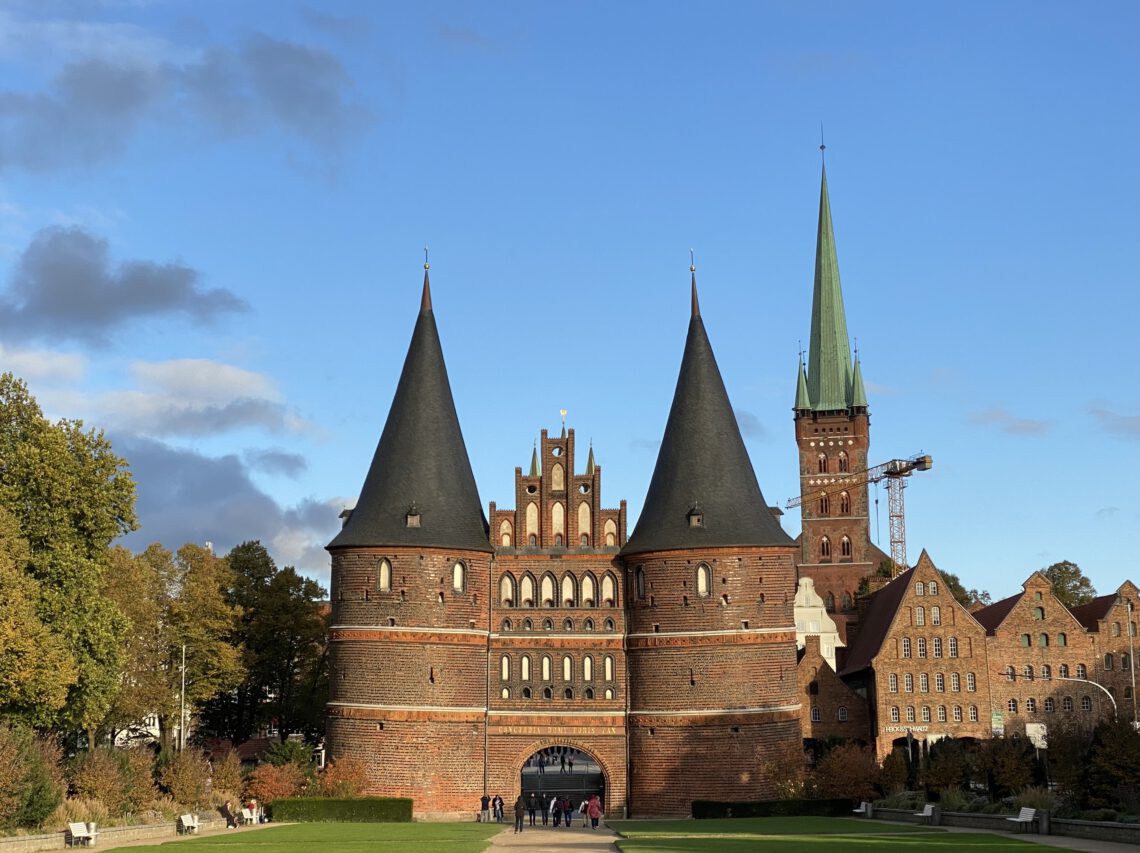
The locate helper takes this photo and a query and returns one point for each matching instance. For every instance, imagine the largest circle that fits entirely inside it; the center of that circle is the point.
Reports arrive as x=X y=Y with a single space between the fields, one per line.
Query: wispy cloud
x=1107 y=512
x=42 y=364
x=999 y=418
x=750 y=426
x=1114 y=422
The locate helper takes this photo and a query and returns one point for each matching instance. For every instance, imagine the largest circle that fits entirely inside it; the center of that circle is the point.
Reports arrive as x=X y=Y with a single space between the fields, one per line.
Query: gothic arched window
x=843 y=464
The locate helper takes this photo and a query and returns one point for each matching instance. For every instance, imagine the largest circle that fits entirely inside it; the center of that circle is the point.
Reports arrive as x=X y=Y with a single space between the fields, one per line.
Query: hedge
x=773 y=808
x=360 y=810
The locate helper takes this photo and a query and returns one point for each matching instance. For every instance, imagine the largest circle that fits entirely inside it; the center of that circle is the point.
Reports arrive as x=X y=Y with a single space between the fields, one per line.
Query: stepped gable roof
x=703 y=466
x=1090 y=614
x=991 y=616
x=875 y=623
x=421 y=461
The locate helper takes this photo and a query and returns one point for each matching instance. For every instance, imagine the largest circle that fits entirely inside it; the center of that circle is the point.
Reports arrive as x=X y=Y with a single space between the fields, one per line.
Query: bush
x=848 y=770
x=268 y=782
x=98 y=774
x=901 y=800
x=31 y=784
x=360 y=810
x=1109 y=815
x=773 y=808
x=342 y=779
x=77 y=810
x=953 y=800
x=139 y=788
x=226 y=778
x=183 y=775
x=1036 y=798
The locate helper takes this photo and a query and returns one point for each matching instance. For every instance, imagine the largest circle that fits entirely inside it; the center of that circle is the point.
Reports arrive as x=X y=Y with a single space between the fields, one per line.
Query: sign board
x=1037 y=734
x=997 y=724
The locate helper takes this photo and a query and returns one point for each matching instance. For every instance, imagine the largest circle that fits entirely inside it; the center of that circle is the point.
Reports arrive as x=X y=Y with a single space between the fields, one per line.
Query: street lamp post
x=1103 y=689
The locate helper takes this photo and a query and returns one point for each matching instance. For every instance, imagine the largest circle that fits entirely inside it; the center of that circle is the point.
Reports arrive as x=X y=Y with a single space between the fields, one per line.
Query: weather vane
x=692 y=262
x=563 y=413
x=426 y=264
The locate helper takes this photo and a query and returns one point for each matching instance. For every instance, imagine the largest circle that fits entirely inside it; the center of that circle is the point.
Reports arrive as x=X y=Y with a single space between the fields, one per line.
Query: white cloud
x=203 y=380
x=33 y=364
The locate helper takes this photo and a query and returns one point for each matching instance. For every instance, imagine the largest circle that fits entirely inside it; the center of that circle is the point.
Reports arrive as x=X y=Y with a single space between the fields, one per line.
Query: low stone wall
x=990 y=822
x=900 y=815
x=1126 y=833
x=107 y=837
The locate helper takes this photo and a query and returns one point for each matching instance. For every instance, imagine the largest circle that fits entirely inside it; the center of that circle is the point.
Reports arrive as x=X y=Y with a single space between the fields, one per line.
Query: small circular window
x=557 y=451
x=584 y=488
x=530 y=490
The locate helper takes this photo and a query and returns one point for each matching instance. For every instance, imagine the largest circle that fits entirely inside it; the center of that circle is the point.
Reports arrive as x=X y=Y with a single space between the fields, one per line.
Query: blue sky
x=212 y=218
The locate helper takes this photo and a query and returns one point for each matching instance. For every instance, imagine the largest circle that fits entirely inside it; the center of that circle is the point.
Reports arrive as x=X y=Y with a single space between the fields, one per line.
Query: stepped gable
x=703 y=467
x=421 y=461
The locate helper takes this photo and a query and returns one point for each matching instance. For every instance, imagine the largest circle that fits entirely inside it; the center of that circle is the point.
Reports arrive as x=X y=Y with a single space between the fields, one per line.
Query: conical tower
x=711 y=643
x=833 y=434
x=408 y=641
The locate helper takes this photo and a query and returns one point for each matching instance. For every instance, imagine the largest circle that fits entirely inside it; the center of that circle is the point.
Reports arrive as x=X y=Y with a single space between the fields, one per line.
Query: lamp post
x=1103 y=689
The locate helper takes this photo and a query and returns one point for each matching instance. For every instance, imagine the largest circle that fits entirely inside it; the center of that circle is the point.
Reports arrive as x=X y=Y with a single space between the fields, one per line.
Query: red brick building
x=466 y=654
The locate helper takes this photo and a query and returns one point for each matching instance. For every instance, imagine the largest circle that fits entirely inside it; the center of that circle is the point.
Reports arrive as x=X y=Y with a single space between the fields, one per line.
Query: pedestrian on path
x=562 y=762
x=497 y=807
x=545 y=808
x=594 y=810
x=520 y=810
x=531 y=806
x=567 y=811
x=555 y=811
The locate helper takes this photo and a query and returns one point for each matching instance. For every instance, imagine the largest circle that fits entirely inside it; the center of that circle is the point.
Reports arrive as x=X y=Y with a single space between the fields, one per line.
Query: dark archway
x=563 y=770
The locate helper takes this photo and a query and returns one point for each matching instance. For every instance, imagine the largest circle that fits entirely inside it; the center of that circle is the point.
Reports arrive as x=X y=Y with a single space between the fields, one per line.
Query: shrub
x=269 y=782
x=773 y=808
x=31 y=784
x=361 y=809
x=1109 y=815
x=139 y=788
x=901 y=800
x=98 y=774
x=290 y=752
x=953 y=800
x=848 y=770
x=1035 y=798
x=342 y=779
x=77 y=810
x=785 y=774
x=183 y=775
x=226 y=778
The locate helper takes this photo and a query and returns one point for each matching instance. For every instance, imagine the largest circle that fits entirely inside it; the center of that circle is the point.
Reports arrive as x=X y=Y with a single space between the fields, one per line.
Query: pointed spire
x=563 y=413
x=590 y=466
x=425 y=299
x=858 y=392
x=803 y=402
x=419 y=490
x=696 y=310
x=535 y=471
x=829 y=352
x=704 y=491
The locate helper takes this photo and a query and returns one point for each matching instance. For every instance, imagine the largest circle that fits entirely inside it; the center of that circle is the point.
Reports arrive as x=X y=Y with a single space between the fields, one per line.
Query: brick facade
x=829 y=708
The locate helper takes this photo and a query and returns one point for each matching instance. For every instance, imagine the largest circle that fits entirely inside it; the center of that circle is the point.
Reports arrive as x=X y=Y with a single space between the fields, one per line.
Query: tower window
x=825 y=505
x=821 y=463
x=844 y=503
x=385 y=576
x=843 y=464
x=639 y=578
x=458 y=577
x=704 y=580
x=825 y=548
x=816 y=716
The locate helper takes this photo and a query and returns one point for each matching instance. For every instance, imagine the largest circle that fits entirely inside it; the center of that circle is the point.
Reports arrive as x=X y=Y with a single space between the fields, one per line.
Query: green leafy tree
x=1069 y=583
x=32 y=784
x=965 y=597
x=71 y=495
x=36 y=666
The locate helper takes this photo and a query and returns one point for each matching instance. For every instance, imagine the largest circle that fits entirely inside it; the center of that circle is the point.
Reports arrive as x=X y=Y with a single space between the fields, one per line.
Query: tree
x=282 y=632
x=36 y=666
x=71 y=495
x=1069 y=583
x=848 y=770
x=965 y=597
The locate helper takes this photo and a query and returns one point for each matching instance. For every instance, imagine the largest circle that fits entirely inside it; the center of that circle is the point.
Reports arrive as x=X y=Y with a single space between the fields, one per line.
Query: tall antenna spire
x=693 y=272
x=822 y=147
x=425 y=299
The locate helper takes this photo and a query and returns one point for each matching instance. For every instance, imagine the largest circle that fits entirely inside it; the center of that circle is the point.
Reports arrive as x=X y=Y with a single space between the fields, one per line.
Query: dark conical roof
x=421 y=461
x=703 y=464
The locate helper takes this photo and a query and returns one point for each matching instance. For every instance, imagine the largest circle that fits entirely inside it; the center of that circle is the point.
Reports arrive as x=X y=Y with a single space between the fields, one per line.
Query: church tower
x=833 y=434
x=411 y=569
x=711 y=640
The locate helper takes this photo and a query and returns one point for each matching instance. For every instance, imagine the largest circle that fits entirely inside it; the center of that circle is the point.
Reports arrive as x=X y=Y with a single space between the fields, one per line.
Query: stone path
x=539 y=839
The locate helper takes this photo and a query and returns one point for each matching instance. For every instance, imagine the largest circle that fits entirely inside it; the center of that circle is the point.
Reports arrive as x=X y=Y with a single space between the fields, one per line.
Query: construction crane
x=895 y=473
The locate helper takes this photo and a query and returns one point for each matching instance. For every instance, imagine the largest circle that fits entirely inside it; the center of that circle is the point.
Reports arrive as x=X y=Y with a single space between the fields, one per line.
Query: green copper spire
x=829 y=354
x=534 y=469
x=802 y=399
x=590 y=462
x=858 y=393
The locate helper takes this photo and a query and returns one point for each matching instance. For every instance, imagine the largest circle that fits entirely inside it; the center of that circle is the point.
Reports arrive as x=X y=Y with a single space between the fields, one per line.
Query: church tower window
x=384 y=581
x=821 y=463
x=507 y=590
x=825 y=548
x=843 y=464
x=704 y=580
x=459 y=577
x=505 y=531
x=844 y=503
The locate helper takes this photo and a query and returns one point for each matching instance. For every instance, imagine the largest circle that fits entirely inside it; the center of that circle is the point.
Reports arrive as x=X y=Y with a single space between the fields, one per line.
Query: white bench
x=1025 y=818
x=80 y=835
x=864 y=809
x=927 y=813
x=187 y=824
x=248 y=817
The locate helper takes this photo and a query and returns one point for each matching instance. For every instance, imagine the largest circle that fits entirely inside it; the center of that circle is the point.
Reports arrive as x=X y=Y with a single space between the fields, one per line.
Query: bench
x=247 y=816
x=864 y=809
x=80 y=835
x=927 y=813
x=187 y=824
x=1025 y=818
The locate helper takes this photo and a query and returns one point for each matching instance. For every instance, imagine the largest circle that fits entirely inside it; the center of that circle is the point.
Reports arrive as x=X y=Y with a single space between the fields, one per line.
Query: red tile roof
x=1090 y=614
x=992 y=616
x=876 y=622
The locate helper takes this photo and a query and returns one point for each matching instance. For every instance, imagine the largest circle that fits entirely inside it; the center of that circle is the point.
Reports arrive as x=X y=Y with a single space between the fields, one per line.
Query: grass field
x=336 y=837
x=802 y=835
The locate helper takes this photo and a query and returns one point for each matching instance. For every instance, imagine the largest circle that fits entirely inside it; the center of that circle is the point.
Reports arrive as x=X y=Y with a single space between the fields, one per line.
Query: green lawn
x=802 y=835
x=333 y=837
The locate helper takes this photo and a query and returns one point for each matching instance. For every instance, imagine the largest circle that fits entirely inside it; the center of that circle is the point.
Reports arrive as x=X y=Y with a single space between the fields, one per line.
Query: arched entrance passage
x=564 y=769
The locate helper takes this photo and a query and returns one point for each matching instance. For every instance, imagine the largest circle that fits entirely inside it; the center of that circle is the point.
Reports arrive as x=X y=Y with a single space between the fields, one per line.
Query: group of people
x=560 y=755
x=557 y=810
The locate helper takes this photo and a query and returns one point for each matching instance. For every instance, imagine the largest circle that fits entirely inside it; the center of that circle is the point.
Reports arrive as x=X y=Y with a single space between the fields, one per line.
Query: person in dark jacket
x=484 y=809
x=520 y=810
x=545 y=804
x=497 y=808
x=531 y=806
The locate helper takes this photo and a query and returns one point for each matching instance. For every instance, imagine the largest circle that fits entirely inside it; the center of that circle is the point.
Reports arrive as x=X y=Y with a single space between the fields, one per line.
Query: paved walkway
x=1065 y=842
x=544 y=839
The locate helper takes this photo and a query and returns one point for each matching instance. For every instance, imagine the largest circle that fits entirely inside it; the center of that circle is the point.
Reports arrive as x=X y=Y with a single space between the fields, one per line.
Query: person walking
x=582 y=811
x=520 y=810
x=531 y=806
x=562 y=762
x=570 y=762
x=545 y=808
x=594 y=810
x=555 y=811
x=567 y=811
x=484 y=809
x=497 y=807
x=541 y=765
